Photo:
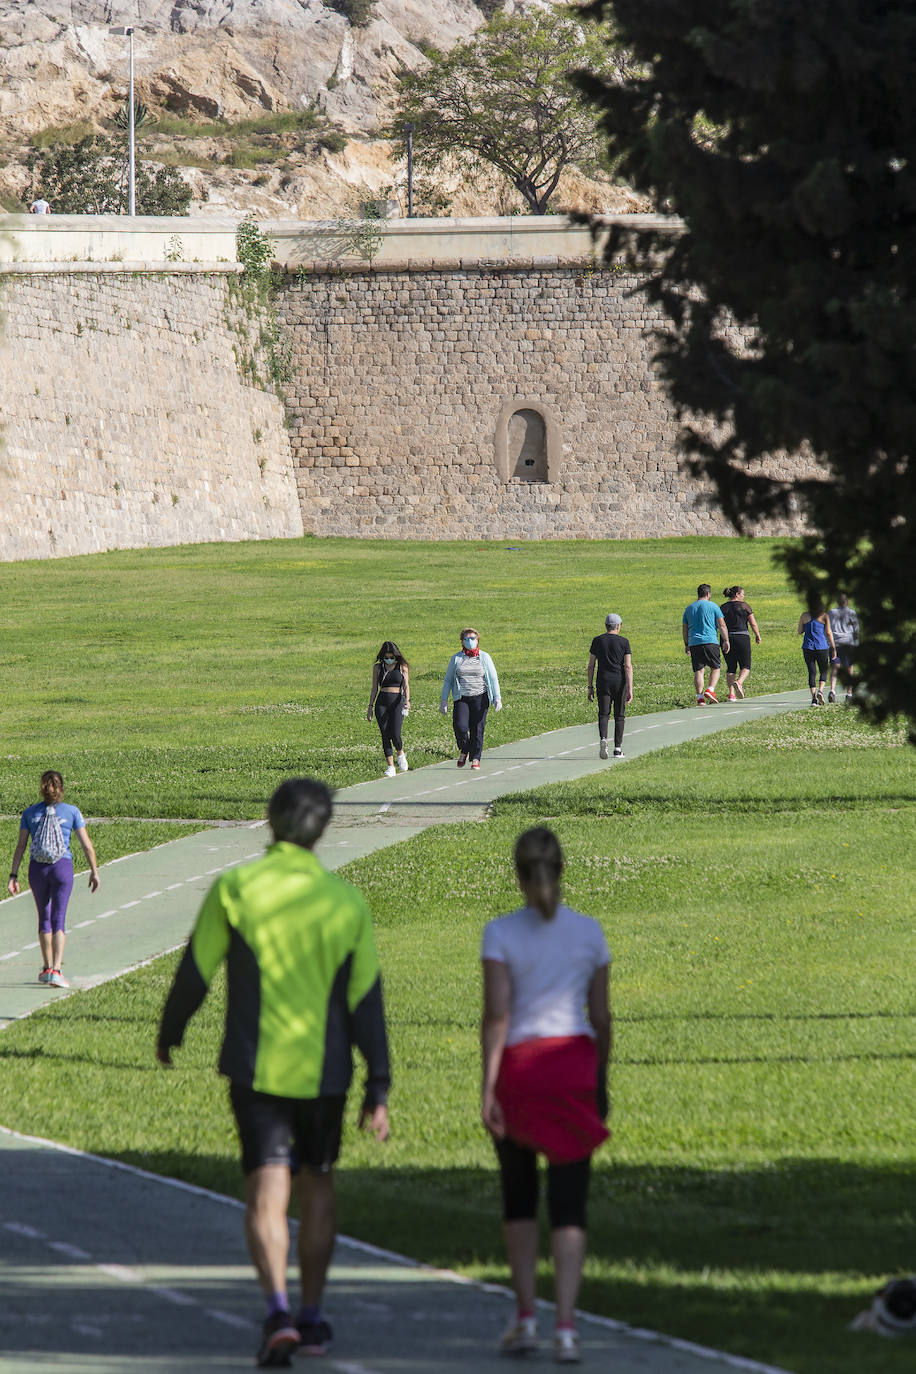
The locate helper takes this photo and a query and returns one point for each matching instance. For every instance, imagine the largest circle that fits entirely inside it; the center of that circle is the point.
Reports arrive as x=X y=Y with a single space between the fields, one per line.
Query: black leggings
x=567 y=1186
x=816 y=659
x=389 y=712
x=469 y=720
x=612 y=695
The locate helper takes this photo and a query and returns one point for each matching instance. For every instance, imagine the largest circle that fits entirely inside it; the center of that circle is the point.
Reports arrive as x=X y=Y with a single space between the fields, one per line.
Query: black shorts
x=704 y=656
x=846 y=653
x=300 y=1132
x=739 y=654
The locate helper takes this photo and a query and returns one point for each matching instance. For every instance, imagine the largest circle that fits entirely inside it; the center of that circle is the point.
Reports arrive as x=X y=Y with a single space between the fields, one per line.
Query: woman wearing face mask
x=471 y=680
x=390 y=696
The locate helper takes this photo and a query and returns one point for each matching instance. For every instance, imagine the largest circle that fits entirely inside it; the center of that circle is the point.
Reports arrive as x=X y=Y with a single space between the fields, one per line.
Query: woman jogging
x=818 y=648
x=471 y=680
x=390 y=695
x=611 y=653
x=739 y=621
x=48 y=825
x=545 y=1039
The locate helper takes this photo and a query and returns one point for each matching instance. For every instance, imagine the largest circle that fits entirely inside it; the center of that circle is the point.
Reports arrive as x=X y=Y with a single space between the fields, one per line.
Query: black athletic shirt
x=390 y=677
x=610 y=651
x=736 y=614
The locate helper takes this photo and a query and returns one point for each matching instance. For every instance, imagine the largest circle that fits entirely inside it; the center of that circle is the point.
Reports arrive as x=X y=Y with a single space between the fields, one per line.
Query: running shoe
x=566 y=1349
x=740 y=690
x=402 y=761
x=520 y=1337
x=602 y=749
x=44 y=975
x=618 y=752
x=701 y=701
x=819 y=697
x=831 y=698
x=462 y=760
x=391 y=771
x=732 y=697
x=475 y=763
x=280 y=1339
x=710 y=695
x=57 y=979
x=315 y=1337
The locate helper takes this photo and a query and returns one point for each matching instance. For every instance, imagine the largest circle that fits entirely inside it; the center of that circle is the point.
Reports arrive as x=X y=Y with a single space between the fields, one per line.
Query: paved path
x=105 y=1269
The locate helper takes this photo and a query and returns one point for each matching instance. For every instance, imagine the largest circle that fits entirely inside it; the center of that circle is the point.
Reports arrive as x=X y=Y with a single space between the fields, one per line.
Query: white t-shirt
x=551 y=964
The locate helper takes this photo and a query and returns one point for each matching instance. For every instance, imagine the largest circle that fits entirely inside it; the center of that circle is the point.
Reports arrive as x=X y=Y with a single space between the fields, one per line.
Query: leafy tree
x=90 y=178
x=502 y=97
x=143 y=116
x=785 y=136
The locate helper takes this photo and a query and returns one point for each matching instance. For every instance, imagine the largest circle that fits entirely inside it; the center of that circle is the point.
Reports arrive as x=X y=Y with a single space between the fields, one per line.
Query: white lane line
x=229 y=1319
x=129 y=904
x=103 y=915
x=148 y=895
x=172 y=886
x=79 y=925
x=25 y=947
x=11 y=955
x=173 y=1295
x=210 y=871
x=19 y=1228
x=120 y=1272
x=196 y=879
x=71 y=1251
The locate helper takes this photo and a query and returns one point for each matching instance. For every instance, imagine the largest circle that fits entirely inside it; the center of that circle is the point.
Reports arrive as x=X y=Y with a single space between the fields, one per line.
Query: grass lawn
x=188 y=682
x=756 y=890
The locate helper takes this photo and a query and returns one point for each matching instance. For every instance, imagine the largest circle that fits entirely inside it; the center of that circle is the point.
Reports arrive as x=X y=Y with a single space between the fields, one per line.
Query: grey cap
x=612 y=621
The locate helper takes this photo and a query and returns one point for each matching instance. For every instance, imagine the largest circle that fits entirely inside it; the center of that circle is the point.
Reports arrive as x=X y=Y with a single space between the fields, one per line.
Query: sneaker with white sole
x=710 y=696
x=391 y=771
x=520 y=1337
x=57 y=980
x=44 y=975
x=819 y=697
x=402 y=762
x=279 y=1339
x=566 y=1348
x=315 y=1337
x=602 y=749
x=618 y=752
x=831 y=698
x=701 y=700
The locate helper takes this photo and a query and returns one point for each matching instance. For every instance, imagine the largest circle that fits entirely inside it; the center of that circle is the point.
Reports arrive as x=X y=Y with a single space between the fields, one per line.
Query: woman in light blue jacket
x=471 y=680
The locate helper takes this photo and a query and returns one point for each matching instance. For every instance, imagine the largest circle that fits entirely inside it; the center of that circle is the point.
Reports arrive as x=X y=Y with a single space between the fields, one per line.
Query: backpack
x=48 y=843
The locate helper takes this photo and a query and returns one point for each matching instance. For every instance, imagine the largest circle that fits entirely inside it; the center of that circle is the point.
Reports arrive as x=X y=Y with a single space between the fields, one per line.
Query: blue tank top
x=815 y=636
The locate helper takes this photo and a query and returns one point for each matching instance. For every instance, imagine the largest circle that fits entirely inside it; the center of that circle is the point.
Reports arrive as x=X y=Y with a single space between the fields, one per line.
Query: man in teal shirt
x=702 y=624
x=303 y=986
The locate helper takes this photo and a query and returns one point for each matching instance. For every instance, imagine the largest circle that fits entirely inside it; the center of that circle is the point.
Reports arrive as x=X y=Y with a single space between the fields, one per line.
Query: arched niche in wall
x=527 y=441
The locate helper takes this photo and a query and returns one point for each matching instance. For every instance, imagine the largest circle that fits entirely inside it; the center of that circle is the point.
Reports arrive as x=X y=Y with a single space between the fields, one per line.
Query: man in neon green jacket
x=303 y=988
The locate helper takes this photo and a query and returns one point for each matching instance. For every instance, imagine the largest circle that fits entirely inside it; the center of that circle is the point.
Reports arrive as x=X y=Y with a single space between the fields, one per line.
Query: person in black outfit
x=611 y=653
x=739 y=621
x=390 y=696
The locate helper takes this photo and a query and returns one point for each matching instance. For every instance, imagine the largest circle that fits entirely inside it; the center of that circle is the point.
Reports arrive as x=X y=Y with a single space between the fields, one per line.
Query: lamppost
x=131 y=147
x=408 y=129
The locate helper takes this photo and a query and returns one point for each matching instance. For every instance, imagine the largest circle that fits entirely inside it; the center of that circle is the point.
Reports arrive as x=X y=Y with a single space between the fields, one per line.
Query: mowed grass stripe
x=758 y=1185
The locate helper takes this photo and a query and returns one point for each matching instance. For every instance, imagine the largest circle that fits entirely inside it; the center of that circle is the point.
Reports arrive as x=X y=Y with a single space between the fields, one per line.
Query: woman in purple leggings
x=48 y=825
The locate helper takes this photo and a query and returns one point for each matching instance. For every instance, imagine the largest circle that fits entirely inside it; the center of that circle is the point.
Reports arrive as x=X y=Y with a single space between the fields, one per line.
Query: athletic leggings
x=816 y=659
x=389 y=712
x=469 y=720
x=612 y=695
x=567 y=1186
x=51 y=886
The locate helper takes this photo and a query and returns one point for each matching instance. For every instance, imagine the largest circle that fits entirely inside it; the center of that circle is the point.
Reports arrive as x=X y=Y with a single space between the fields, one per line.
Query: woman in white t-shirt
x=546 y=1037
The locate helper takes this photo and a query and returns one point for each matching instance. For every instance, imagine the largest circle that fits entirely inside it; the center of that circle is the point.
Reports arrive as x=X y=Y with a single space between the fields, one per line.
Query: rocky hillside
x=264 y=105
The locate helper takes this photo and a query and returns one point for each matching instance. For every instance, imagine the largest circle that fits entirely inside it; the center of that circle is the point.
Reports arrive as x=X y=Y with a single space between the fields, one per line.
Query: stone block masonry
x=473 y=400
x=125 y=420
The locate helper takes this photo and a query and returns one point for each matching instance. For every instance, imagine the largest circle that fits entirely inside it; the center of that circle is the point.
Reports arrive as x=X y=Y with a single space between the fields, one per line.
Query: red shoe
x=475 y=763
x=710 y=695
x=462 y=760
x=732 y=697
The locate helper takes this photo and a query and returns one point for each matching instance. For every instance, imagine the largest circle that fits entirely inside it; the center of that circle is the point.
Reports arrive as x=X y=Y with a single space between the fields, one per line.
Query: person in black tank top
x=389 y=695
x=740 y=622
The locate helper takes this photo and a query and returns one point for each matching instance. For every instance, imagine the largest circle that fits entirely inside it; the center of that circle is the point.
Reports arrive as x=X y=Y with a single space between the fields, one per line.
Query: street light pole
x=131 y=160
x=408 y=129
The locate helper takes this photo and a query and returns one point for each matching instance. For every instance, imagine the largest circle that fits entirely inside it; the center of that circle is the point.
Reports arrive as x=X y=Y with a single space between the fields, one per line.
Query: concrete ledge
x=149 y=239
x=27 y=269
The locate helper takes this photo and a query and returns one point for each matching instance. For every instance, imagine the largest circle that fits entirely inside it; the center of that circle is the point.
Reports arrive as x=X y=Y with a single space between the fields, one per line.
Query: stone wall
x=473 y=400
x=124 y=420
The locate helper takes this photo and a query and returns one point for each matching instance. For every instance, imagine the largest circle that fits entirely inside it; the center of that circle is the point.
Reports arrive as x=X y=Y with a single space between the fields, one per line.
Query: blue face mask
x=469 y=642
x=389 y=661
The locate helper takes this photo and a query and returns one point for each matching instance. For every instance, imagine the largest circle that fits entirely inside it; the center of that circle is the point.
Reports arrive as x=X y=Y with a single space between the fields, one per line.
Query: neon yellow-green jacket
x=303 y=978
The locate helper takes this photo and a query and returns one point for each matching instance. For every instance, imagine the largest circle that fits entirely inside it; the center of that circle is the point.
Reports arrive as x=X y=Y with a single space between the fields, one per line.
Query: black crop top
x=390 y=677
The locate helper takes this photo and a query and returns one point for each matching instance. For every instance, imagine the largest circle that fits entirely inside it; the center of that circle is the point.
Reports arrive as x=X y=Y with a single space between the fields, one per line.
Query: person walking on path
x=389 y=694
x=471 y=680
x=48 y=825
x=818 y=649
x=702 y=625
x=303 y=987
x=739 y=621
x=611 y=653
x=545 y=1040
x=845 y=626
